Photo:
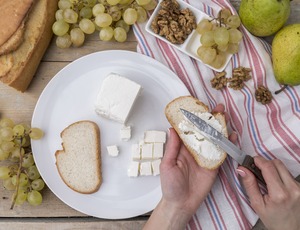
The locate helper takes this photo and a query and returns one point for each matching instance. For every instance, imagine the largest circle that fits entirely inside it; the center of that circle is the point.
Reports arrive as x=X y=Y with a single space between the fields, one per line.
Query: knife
x=219 y=139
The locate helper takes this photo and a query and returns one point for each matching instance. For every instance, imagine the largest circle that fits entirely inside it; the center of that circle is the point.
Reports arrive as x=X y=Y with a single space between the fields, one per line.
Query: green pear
x=286 y=55
x=264 y=17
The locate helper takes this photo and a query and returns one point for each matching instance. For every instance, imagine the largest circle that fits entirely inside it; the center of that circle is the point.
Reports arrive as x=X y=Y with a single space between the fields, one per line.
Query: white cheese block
x=155 y=167
x=116 y=97
x=113 y=150
x=146 y=169
x=133 y=170
x=155 y=136
x=158 y=150
x=147 y=149
x=135 y=152
x=125 y=133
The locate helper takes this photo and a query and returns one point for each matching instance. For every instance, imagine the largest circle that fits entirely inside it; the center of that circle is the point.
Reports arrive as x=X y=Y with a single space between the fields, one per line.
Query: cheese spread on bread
x=192 y=136
x=117 y=97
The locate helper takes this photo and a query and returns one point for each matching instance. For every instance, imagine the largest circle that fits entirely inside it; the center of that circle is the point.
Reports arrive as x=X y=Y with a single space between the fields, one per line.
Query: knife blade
x=220 y=140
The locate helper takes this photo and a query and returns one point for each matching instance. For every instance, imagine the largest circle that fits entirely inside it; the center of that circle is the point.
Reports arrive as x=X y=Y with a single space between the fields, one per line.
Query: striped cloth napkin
x=271 y=131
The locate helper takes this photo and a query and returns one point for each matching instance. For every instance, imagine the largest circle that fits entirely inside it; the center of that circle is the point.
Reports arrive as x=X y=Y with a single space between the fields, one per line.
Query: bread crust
x=37 y=36
x=174 y=116
x=98 y=170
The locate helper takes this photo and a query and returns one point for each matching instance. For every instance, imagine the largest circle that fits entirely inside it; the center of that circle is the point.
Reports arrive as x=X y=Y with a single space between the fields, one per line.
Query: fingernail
x=241 y=172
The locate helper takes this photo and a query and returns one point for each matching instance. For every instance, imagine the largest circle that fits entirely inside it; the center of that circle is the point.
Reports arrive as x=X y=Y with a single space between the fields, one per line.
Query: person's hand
x=280 y=208
x=184 y=184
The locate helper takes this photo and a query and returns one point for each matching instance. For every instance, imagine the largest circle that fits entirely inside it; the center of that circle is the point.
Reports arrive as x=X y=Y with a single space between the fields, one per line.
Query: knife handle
x=249 y=164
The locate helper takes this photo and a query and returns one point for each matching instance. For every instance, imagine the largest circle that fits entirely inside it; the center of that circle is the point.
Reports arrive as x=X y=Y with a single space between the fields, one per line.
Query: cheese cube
x=116 y=97
x=125 y=133
x=155 y=167
x=136 y=152
x=155 y=136
x=158 y=150
x=113 y=150
x=147 y=149
x=146 y=169
x=133 y=170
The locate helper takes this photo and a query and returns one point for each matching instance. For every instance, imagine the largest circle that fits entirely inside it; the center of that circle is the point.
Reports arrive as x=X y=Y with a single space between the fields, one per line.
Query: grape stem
x=18 y=176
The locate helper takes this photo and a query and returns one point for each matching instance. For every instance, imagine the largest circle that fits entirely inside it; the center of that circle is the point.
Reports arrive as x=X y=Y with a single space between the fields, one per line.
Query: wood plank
x=71 y=223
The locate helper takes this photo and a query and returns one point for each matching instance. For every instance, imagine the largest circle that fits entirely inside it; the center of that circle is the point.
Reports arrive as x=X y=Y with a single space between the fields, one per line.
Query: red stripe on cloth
x=137 y=26
x=211 y=215
x=218 y=210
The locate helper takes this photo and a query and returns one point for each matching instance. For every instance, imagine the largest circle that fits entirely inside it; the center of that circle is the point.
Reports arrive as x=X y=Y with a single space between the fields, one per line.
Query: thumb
x=250 y=184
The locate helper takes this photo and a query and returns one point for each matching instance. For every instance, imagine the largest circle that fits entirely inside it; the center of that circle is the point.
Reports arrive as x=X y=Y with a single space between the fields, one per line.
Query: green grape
x=77 y=37
x=19 y=130
x=8 y=185
x=23 y=179
x=113 y=2
x=207 y=54
x=7 y=146
x=64 y=41
x=3 y=155
x=20 y=141
x=224 y=14
x=235 y=36
x=233 y=48
x=124 y=2
x=90 y=3
x=103 y=20
x=120 y=34
x=34 y=198
x=21 y=197
x=207 y=38
x=60 y=27
x=115 y=13
x=123 y=25
x=142 y=2
x=219 y=60
x=106 y=33
x=221 y=36
x=86 y=12
x=6 y=134
x=6 y=122
x=4 y=172
x=70 y=16
x=36 y=133
x=27 y=160
x=98 y=9
x=233 y=21
x=222 y=48
x=130 y=16
x=87 y=26
x=64 y=4
x=16 y=153
x=33 y=173
x=141 y=14
x=151 y=5
x=204 y=26
x=59 y=15
x=37 y=184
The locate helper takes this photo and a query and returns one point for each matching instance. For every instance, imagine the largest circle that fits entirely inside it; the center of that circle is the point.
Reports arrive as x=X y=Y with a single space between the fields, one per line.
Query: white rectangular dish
x=192 y=43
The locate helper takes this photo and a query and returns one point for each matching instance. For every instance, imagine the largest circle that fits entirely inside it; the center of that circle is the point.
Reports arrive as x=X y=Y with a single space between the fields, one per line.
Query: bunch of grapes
x=18 y=170
x=112 y=18
x=219 y=37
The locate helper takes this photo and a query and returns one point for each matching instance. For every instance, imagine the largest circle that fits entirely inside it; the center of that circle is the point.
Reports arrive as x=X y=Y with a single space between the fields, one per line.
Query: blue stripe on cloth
x=295 y=101
x=140 y=39
x=214 y=211
x=249 y=100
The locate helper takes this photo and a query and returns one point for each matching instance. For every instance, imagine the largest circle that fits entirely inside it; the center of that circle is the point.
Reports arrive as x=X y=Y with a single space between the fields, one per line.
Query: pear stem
x=281 y=89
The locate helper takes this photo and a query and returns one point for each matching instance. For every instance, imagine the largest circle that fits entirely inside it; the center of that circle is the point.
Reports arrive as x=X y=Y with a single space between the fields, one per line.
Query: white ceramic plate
x=70 y=97
x=192 y=43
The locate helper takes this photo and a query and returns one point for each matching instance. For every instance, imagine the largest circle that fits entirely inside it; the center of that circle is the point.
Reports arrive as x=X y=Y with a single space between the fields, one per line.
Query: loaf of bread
x=22 y=47
x=206 y=154
x=79 y=163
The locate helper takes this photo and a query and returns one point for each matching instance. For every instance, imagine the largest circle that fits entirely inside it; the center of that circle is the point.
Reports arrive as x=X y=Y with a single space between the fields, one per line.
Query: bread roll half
x=206 y=154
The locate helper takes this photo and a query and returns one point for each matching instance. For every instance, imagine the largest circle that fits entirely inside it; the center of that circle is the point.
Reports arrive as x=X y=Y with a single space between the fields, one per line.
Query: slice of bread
x=20 y=64
x=79 y=163
x=211 y=159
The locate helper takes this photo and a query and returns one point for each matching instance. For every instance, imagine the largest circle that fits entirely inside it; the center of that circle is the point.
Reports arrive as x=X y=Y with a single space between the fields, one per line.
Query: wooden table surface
x=53 y=213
